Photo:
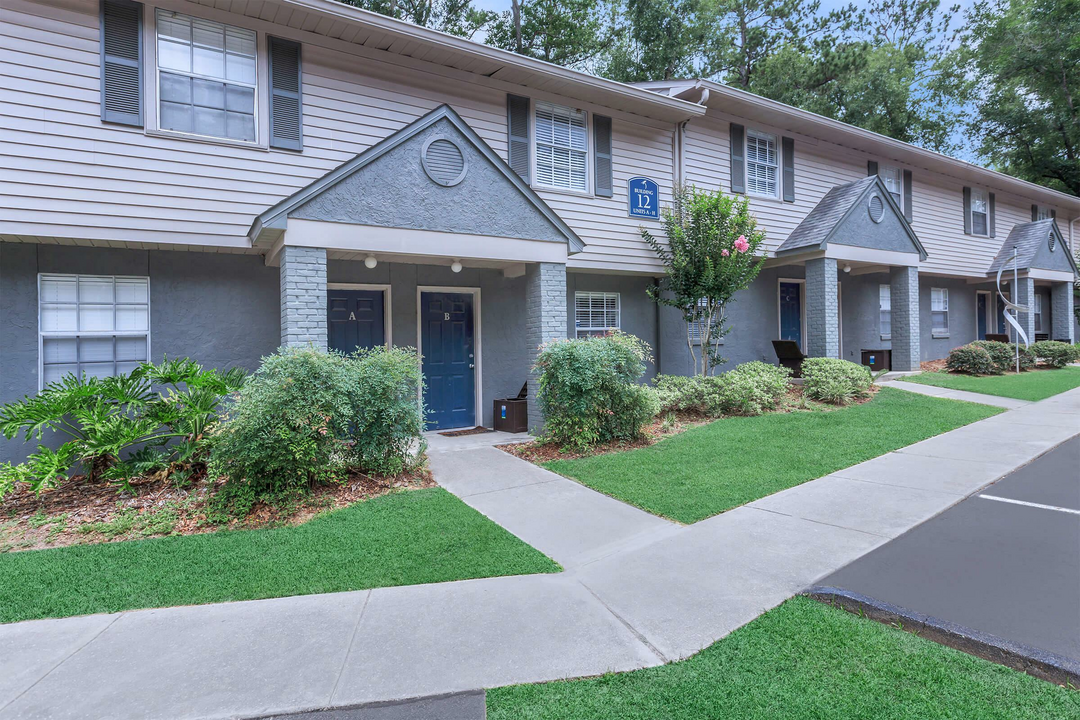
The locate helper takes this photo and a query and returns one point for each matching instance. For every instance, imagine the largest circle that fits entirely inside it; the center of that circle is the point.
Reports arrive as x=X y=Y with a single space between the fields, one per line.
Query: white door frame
x=478 y=415
x=840 y=319
x=802 y=310
x=387 y=315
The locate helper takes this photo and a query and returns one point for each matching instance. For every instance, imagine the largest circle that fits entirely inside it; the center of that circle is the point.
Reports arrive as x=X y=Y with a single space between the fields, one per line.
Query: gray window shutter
x=1053 y=214
x=788 y=148
x=1034 y=212
x=121 y=59
x=967 y=211
x=738 y=158
x=907 y=195
x=517 y=123
x=286 y=111
x=990 y=203
x=871 y=167
x=602 y=183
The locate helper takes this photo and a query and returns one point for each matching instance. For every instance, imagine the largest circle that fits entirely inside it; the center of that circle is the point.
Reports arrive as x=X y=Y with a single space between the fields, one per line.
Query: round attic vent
x=876 y=208
x=1053 y=241
x=443 y=161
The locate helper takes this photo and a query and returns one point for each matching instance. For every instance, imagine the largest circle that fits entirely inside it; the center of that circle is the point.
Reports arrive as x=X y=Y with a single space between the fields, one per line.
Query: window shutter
x=517 y=123
x=907 y=195
x=967 y=211
x=602 y=183
x=121 y=62
x=738 y=158
x=871 y=167
x=990 y=203
x=1053 y=214
x=788 y=148
x=286 y=113
x=1034 y=212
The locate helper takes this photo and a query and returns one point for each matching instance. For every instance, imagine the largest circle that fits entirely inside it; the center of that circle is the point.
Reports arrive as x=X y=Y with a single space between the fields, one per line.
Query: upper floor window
x=1043 y=213
x=980 y=212
x=595 y=313
x=206 y=77
x=894 y=183
x=762 y=164
x=562 y=147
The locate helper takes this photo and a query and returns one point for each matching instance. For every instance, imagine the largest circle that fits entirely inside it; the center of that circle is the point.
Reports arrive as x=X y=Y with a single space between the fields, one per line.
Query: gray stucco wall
x=220 y=309
x=859 y=230
x=637 y=312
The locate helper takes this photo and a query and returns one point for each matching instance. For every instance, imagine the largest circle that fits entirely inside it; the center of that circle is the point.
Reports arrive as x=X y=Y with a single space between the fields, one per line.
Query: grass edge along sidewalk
x=716 y=467
x=1033 y=385
x=403 y=538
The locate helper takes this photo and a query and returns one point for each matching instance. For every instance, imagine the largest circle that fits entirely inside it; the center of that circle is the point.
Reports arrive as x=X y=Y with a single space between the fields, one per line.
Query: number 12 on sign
x=643 y=198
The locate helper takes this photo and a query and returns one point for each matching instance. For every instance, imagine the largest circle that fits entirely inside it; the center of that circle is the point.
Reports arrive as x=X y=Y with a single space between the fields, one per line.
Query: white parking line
x=1031 y=504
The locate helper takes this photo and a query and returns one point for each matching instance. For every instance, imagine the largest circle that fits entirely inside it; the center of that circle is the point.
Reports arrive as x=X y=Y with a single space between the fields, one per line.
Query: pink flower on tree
x=741 y=245
x=724 y=252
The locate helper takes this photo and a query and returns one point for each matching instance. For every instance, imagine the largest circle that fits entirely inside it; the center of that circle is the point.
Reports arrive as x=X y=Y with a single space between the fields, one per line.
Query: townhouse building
x=216 y=178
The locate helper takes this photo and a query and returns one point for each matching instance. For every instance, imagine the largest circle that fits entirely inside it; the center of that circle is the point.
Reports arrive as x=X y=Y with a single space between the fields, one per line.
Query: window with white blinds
x=979 y=212
x=1038 y=313
x=94 y=325
x=939 y=311
x=894 y=183
x=885 y=311
x=562 y=147
x=762 y=164
x=595 y=313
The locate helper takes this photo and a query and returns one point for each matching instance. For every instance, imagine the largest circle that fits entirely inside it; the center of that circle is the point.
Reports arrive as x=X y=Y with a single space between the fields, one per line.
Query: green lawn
x=421 y=536
x=730 y=462
x=1034 y=385
x=801 y=660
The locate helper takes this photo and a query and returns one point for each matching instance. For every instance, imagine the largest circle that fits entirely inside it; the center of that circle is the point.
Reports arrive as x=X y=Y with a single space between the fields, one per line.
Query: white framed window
x=595 y=313
x=93 y=325
x=762 y=164
x=894 y=183
x=939 y=312
x=980 y=213
x=885 y=311
x=1038 y=313
x=1042 y=212
x=206 y=77
x=697 y=328
x=561 y=147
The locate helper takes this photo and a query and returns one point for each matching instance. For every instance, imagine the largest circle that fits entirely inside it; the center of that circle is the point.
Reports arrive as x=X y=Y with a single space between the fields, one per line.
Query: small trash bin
x=512 y=415
x=877 y=360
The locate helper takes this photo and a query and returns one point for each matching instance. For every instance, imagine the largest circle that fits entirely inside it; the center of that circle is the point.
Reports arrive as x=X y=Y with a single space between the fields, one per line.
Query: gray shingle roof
x=826 y=215
x=1027 y=238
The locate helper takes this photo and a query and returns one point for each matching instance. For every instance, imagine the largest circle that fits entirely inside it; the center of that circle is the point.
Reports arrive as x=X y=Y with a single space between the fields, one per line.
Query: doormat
x=469 y=431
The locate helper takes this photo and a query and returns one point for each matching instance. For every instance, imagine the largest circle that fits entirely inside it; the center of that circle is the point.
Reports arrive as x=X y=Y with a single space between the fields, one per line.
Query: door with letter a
x=355 y=319
x=449 y=359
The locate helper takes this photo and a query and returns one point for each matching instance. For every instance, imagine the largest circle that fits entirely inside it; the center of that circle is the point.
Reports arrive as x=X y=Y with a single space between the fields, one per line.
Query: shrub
x=836 y=381
x=1003 y=356
x=1056 y=354
x=972 y=360
x=306 y=416
x=749 y=389
x=589 y=391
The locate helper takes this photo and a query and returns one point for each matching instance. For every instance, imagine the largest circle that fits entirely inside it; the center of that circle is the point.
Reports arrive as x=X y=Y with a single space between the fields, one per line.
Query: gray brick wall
x=1025 y=297
x=545 y=320
x=904 y=308
x=822 y=316
x=303 y=296
x=1061 y=312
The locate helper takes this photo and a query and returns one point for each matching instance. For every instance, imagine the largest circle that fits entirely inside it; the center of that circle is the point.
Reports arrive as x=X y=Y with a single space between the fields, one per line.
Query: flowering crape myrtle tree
x=710 y=254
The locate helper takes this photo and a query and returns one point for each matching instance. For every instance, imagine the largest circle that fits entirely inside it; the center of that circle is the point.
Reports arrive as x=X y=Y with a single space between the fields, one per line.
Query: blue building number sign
x=643 y=198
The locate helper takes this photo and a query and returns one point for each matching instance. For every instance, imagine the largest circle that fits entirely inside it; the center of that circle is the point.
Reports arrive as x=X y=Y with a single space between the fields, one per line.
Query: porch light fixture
x=847 y=268
x=370 y=262
x=455 y=266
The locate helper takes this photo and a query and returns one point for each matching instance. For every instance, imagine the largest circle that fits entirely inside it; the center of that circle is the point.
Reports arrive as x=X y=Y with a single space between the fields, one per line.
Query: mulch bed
x=62 y=516
x=933 y=366
x=470 y=431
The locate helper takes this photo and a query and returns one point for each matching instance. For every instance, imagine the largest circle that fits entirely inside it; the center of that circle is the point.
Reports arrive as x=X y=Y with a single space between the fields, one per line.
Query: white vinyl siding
x=1038 y=311
x=595 y=313
x=939 y=312
x=762 y=164
x=206 y=77
x=980 y=222
x=561 y=148
x=93 y=325
x=894 y=183
x=885 y=311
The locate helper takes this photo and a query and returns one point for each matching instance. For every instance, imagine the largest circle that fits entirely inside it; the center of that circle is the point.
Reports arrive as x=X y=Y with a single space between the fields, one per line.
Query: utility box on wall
x=512 y=415
x=877 y=360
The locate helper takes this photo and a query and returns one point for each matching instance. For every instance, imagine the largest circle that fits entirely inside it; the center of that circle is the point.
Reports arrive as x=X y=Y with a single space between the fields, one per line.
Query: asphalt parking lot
x=1005 y=561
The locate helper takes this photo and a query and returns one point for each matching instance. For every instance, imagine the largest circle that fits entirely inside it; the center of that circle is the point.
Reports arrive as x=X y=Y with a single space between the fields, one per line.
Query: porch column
x=822 y=309
x=1025 y=297
x=545 y=320
x=904 y=308
x=1061 y=312
x=303 y=296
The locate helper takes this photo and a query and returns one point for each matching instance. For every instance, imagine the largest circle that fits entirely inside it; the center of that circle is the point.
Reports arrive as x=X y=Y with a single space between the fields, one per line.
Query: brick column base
x=822 y=309
x=303 y=297
x=904 y=309
x=545 y=320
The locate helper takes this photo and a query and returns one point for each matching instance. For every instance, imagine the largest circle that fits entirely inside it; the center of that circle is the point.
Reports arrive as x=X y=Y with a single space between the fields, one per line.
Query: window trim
x=885 y=335
x=883 y=169
x=971 y=211
x=591 y=330
x=761 y=134
x=43 y=334
x=934 y=332
x=534 y=106
x=1037 y=311
x=1043 y=212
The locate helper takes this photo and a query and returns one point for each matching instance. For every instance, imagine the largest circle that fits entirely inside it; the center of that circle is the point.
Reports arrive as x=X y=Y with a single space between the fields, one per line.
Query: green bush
x=1056 y=354
x=835 y=381
x=750 y=389
x=972 y=360
x=589 y=391
x=1003 y=356
x=306 y=416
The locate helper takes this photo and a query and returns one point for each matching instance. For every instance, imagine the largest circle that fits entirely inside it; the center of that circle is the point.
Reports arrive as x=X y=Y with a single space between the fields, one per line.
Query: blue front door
x=446 y=338
x=980 y=310
x=355 y=318
x=791 y=312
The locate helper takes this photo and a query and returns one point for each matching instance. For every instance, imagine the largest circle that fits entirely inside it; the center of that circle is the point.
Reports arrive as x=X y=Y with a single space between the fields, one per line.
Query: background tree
x=652 y=40
x=711 y=253
x=570 y=33
x=457 y=17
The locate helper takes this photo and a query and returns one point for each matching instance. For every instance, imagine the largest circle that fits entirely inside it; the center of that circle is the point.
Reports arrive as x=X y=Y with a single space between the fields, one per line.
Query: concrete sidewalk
x=933 y=390
x=639 y=592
